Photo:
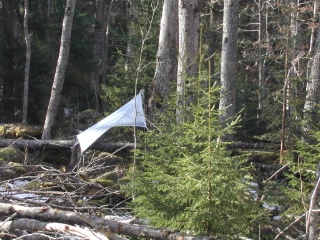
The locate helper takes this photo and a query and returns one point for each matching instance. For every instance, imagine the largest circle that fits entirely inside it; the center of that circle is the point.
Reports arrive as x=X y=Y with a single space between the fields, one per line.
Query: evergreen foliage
x=186 y=180
x=302 y=175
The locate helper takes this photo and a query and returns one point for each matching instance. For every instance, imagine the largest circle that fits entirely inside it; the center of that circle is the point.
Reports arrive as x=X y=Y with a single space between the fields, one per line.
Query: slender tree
x=189 y=23
x=261 y=54
x=166 y=68
x=60 y=70
x=27 y=65
x=99 y=51
x=229 y=63
x=131 y=20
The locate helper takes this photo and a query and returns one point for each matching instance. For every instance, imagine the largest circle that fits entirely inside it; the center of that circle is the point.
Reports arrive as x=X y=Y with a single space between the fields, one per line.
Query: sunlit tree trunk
x=27 y=64
x=229 y=63
x=166 y=68
x=60 y=70
x=313 y=85
x=189 y=18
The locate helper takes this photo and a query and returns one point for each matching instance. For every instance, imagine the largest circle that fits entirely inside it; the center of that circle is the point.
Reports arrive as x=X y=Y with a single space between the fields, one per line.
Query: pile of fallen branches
x=42 y=202
x=42 y=221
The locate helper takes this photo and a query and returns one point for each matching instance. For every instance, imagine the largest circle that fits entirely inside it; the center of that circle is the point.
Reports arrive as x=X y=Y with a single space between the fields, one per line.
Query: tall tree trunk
x=131 y=18
x=313 y=84
x=27 y=65
x=98 y=51
x=166 y=68
x=261 y=54
x=189 y=23
x=60 y=70
x=229 y=63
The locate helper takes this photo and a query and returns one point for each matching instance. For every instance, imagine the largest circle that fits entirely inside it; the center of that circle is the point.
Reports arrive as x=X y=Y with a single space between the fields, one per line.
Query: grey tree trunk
x=261 y=54
x=132 y=18
x=229 y=63
x=27 y=65
x=189 y=24
x=60 y=70
x=313 y=84
x=166 y=68
x=99 y=51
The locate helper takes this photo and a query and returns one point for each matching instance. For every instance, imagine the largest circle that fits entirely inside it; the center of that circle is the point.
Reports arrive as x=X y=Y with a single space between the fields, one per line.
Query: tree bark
x=228 y=64
x=27 y=65
x=189 y=24
x=60 y=70
x=166 y=68
x=313 y=84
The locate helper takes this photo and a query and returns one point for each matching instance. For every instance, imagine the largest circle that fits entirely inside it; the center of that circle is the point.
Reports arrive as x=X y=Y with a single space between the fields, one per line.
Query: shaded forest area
x=231 y=101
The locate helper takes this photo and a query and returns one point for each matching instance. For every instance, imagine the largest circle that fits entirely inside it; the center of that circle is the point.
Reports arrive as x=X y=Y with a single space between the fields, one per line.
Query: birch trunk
x=27 y=65
x=60 y=70
x=166 y=68
x=229 y=63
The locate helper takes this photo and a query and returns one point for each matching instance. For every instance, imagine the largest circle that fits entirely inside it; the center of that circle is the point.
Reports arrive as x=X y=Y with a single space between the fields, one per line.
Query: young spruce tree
x=186 y=180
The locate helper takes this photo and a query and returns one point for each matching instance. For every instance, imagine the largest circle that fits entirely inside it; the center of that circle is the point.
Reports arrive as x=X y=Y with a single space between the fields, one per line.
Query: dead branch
x=35 y=226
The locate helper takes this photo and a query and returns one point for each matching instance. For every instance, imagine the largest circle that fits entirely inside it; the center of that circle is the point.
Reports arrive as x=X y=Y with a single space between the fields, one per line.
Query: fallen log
x=101 y=225
x=106 y=146
x=61 y=144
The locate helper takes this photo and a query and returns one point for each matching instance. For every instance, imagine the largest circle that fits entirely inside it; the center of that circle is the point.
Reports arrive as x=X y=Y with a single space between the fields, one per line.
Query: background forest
x=231 y=100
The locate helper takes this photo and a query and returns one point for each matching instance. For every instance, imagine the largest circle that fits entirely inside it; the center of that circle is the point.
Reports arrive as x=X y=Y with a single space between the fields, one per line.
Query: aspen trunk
x=27 y=65
x=60 y=70
x=166 y=68
x=189 y=20
x=229 y=63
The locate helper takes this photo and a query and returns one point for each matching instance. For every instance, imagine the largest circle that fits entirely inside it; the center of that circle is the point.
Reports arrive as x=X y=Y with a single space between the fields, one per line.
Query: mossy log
x=20 y=130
